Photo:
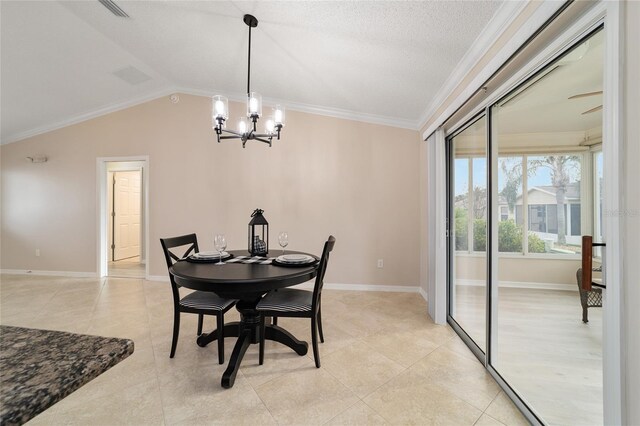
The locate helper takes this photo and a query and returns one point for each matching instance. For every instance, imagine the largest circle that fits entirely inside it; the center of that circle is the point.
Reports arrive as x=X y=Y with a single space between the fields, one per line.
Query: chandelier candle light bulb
x=246 y=131
x=242 y=126
x=254 y=105
x=278 y=115
x=220 y=107
x=269 y=126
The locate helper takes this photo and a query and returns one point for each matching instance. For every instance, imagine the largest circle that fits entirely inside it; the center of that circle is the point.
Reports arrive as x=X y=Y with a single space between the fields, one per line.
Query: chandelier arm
x=233 y=132
x=262 y=140
x=231 y=137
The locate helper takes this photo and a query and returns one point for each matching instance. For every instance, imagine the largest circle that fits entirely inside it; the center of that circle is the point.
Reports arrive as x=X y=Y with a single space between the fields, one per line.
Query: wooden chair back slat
x=587 y=261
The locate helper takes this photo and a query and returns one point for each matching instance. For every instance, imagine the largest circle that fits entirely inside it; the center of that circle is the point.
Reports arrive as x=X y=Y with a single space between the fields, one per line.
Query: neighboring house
x=543 y=212
x=480 y=204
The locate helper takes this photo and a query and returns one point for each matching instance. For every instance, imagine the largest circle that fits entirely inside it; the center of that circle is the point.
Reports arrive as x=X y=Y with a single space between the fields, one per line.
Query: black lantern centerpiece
x=258 y=234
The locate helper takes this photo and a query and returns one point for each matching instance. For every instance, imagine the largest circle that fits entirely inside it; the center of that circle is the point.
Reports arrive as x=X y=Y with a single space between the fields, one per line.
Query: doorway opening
x=123 y=217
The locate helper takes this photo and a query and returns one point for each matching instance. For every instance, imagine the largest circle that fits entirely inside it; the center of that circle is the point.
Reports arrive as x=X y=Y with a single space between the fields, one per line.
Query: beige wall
x=520 y=270
x=354 y=180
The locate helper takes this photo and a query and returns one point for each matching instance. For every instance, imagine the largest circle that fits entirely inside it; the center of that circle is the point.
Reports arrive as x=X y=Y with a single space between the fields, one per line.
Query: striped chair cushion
x=205 y=300
x=288 y=300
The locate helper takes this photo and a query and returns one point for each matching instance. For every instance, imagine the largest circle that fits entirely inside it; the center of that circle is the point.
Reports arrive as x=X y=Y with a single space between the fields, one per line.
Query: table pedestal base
x=248 y=332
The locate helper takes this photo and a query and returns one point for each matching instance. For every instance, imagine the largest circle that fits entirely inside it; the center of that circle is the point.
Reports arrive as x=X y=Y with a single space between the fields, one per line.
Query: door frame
x=102 y=202
x=611 y=15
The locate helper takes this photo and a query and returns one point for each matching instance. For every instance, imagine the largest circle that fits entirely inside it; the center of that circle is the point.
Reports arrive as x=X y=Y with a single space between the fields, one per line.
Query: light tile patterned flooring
x=126 y=268
x=384 y=362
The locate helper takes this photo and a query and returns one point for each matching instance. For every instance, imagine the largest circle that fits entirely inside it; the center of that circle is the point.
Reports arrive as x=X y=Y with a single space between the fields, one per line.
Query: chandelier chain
x=249 y=65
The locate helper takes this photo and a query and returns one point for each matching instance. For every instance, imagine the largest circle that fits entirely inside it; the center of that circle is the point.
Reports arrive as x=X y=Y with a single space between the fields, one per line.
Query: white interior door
x=127 y=205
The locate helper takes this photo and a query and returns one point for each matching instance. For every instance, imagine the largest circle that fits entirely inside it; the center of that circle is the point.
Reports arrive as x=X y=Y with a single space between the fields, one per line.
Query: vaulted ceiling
x=62 y=61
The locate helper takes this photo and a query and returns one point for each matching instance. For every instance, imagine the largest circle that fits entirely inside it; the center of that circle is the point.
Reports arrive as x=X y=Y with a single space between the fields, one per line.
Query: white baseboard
x=423 y=293
x=369 y=287
x=520 y=284
x=71 y=274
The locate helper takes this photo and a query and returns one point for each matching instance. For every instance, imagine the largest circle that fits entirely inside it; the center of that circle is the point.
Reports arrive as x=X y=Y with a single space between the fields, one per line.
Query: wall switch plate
x=380 y=263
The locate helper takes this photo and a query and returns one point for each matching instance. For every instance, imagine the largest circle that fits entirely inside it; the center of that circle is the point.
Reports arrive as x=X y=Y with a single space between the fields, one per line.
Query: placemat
x=261 y=260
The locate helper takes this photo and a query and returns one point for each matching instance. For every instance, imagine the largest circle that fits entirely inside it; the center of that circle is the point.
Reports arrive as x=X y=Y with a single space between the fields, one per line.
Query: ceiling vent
x=131 y=75
x=114 y=8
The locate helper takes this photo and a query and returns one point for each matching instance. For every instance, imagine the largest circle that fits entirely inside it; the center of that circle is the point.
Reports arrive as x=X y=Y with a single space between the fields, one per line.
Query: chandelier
x=247 y=130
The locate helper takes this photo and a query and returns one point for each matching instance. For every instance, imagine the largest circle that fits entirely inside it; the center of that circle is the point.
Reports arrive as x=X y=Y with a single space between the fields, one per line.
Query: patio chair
x=588 y=298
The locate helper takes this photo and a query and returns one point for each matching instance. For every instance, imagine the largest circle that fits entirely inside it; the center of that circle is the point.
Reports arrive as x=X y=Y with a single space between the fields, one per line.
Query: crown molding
x=109 y=108
x=398 y=122
x=500 y=21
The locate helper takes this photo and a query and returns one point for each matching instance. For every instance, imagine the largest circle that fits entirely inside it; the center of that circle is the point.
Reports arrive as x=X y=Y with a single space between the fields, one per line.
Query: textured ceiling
x=379 y=58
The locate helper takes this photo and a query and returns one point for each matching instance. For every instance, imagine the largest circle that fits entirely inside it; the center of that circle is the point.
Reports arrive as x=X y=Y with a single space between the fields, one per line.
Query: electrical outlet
x=380 y=263
x=37 y=252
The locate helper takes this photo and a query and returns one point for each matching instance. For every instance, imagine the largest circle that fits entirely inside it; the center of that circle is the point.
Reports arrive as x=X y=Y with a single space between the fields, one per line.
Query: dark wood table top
x=241 y=280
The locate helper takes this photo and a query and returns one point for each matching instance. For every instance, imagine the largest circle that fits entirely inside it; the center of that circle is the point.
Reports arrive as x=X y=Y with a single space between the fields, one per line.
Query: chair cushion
x=205 y=300
x=287 y=300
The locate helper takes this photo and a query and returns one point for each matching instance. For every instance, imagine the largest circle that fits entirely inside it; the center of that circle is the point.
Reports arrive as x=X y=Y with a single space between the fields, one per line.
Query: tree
x=560 y=167
x=513 y=173
x=479 y=203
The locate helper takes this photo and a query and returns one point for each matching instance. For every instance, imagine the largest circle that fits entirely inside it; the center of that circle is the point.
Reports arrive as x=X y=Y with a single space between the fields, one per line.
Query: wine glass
x=221 y=243
x=283 y=240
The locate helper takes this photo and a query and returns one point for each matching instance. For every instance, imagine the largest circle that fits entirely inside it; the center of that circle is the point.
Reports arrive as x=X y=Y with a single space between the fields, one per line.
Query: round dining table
x=246 y=282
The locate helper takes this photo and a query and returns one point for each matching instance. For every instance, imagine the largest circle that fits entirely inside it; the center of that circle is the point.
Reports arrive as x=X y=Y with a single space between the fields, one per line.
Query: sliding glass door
x=468 y=218
x=521 y=196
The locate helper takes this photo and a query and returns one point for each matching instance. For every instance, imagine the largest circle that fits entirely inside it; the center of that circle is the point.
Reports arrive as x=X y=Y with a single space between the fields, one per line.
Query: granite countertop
x=40 y=367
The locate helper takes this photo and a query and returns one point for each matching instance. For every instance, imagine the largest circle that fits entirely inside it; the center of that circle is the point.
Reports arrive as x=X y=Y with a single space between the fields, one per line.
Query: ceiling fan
x=587 y=94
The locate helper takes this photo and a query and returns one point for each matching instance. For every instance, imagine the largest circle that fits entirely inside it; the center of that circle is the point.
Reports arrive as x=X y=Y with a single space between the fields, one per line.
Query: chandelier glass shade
x=247 y=127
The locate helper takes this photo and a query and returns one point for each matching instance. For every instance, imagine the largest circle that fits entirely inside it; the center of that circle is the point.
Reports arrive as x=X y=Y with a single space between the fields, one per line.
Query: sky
x=541 y=177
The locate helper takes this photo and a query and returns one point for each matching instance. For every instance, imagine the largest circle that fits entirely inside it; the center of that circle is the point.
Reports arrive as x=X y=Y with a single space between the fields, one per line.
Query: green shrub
x=509 y=235
x=480 y=235
x=536 y=245
x=461 y=229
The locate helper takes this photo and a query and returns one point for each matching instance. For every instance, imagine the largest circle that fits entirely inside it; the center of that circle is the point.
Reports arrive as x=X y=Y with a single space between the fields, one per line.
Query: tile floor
x=126 y=268
x=384 y=362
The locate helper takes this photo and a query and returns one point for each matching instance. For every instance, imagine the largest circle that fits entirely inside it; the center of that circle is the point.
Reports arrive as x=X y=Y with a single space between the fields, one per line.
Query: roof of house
x=572 y=190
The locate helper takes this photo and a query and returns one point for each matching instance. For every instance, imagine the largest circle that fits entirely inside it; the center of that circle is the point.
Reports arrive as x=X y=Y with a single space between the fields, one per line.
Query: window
x=504 y=213
x=552 y=200
x=461 y=203
x=575 y=219
x=552 y=203
x=553 y=185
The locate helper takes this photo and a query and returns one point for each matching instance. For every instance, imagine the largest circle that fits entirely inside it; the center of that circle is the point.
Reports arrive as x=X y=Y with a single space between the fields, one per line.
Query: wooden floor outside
x=545 y=351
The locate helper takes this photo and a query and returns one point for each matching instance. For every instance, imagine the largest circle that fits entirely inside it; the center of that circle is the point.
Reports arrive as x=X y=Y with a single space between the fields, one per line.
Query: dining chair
x=298 y=303
x=198 y=302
